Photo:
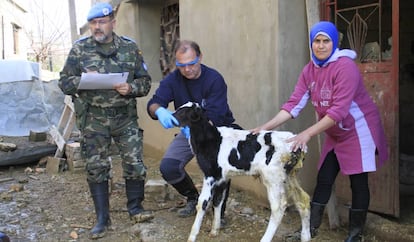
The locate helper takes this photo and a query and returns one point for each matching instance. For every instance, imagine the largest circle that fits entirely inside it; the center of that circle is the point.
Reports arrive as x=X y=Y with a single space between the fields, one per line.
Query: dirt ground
x=37 y=206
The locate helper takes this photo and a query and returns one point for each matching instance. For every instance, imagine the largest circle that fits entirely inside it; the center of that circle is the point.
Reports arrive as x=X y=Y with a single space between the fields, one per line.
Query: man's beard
x=101 y=38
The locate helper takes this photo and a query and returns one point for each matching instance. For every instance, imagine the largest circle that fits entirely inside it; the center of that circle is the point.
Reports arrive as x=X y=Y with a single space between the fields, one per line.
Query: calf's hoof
x=213 y=233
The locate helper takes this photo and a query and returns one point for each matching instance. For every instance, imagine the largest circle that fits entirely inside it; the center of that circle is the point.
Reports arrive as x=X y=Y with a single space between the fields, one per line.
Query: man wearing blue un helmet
x=106 y=115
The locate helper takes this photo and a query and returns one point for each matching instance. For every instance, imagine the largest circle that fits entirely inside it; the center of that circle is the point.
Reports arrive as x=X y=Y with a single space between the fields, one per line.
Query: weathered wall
x=260 y=48
x=10 y=15
x=141 y=22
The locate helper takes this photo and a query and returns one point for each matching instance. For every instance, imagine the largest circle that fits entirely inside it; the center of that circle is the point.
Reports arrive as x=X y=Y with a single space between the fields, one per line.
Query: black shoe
x=189 y=210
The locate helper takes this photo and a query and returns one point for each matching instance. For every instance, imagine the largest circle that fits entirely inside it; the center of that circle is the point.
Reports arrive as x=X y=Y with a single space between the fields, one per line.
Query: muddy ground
x=37 y=206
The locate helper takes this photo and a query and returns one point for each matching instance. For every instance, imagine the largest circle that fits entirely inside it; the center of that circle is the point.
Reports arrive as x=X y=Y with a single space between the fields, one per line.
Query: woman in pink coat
x=349 y=118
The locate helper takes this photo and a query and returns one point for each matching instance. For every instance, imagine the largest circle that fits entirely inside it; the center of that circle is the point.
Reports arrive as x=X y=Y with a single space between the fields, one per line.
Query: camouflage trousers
x=97 y=136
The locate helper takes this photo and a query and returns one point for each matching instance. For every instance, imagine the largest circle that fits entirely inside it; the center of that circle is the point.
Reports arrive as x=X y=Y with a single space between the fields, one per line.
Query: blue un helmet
x=99 y=10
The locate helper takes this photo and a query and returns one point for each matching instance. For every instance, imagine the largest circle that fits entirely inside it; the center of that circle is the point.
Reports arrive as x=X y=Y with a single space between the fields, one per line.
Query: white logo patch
x=105 y=11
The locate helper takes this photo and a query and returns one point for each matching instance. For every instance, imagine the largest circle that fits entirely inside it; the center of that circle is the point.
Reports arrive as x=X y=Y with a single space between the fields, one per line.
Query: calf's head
x=188 y=114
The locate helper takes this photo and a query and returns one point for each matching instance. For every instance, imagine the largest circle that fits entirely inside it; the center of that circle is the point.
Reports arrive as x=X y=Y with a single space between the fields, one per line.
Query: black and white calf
x=222 y=152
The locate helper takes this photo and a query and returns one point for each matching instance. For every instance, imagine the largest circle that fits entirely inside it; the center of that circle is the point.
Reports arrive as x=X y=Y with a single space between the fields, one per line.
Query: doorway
x=382 y=34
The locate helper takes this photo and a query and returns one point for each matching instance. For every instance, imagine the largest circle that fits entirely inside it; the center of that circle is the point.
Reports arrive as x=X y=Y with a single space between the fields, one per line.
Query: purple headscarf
x=327 y=29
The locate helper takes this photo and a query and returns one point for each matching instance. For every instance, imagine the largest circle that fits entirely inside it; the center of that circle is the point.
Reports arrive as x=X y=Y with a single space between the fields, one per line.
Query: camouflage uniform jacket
x=122 y=56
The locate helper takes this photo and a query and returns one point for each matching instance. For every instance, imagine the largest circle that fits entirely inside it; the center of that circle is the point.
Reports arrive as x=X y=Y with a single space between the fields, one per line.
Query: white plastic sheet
x=18 y=70
x=29 y=105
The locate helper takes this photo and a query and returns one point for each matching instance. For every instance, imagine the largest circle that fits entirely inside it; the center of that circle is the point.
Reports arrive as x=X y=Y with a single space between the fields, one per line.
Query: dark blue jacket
x=209 y=90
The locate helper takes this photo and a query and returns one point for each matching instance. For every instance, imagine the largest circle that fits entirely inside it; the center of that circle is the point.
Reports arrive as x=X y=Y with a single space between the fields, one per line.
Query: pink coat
x=337 y=90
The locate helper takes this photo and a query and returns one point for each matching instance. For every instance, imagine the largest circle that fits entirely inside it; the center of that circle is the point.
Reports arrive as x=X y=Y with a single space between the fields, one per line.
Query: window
x=364 y=26
x=16 y=31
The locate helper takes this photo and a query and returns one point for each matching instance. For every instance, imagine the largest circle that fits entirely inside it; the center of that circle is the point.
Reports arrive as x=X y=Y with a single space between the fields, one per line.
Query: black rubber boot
x=186 y=188
x=135 y=195
x=316 y=215
x=357 y=218
x=100 y=196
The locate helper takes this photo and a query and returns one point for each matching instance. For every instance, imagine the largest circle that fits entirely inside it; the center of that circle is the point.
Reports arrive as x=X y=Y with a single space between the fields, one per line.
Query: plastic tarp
x=28 y=105
x=18 y=70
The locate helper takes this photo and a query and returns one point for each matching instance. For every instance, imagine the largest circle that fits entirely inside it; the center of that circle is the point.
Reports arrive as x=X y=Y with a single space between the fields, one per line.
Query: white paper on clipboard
x=101 y=81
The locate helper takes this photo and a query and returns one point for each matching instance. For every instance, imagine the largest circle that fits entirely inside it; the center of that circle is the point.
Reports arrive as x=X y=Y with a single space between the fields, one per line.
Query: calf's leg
x=203 y=201
x=226 y=196
x=278 y=203
x=220 y=194
x=302 y=203
x=216 y=220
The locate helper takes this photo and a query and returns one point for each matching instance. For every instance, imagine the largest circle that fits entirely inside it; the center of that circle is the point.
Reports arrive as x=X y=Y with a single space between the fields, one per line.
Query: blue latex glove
x=165 y=117
x=185 y=131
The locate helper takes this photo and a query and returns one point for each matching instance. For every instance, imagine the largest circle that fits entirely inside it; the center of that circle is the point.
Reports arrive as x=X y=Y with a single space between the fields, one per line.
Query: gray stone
x=6 y=147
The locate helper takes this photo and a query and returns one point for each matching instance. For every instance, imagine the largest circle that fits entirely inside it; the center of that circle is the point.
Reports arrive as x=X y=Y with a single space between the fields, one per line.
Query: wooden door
x=384 y=184
x=381 y=80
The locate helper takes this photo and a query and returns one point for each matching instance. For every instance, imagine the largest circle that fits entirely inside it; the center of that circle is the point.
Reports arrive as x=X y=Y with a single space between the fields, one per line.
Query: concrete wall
x=10 y=15
x=141 y=22
x=259 y=47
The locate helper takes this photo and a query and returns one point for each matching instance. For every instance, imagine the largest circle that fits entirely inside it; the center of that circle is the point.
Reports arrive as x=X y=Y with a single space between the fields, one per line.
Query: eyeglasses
x=99 y=21
x=193 y=62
